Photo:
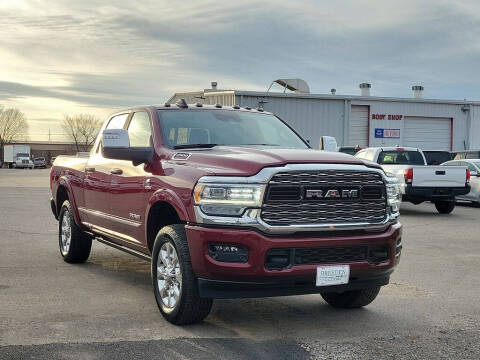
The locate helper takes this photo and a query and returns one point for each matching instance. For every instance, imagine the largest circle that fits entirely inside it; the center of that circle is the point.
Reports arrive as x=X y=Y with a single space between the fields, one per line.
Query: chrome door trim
x=109 y=217
x=104 y=231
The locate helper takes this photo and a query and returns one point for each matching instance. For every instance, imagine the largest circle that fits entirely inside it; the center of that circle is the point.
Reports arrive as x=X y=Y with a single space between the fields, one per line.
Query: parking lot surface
x=105 y=309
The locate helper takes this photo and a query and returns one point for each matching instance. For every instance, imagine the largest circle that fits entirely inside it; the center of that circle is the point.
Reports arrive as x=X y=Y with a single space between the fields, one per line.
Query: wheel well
x=62 y=195
x=161 y=214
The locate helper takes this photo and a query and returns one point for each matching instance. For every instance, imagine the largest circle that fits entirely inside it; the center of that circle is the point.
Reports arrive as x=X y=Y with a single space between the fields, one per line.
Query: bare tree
x=82 y=129
x=13 y=126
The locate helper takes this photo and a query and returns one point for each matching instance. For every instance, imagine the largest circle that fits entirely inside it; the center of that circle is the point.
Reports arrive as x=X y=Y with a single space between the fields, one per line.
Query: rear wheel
x=445 y=207
x=75 y=245
x=351 y=299
x=174 y=283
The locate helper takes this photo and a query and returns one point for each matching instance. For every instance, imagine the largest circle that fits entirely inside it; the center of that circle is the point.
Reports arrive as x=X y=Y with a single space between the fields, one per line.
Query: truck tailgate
x=439 y=176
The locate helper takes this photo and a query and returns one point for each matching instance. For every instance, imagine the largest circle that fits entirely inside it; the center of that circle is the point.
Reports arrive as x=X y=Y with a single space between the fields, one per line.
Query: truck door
x=97 y=183
x=128 y=190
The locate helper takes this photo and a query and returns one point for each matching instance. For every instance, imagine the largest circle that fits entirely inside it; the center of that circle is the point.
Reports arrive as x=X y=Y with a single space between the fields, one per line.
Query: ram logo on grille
x=331 y=194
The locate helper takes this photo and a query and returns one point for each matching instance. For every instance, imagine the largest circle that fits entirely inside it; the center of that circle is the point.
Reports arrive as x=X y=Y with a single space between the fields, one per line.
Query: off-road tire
x=80 y=243
x=445 y=207
x=191 y=308
x=351 y=299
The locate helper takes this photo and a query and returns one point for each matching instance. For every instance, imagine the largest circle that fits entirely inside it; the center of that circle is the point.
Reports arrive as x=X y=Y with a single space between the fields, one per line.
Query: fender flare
x=63 y=181
x=169 y=197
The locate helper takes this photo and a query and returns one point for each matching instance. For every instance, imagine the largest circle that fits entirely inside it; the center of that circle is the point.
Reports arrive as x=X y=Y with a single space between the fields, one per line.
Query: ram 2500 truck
x=419 y=182
x=229 y=202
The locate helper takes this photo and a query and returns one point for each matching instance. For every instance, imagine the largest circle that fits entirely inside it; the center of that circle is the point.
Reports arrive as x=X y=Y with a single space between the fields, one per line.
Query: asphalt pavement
x=105 y=309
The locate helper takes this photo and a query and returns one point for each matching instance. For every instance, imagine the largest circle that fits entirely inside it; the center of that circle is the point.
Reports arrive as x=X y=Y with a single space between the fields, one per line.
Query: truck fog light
x=232 y=253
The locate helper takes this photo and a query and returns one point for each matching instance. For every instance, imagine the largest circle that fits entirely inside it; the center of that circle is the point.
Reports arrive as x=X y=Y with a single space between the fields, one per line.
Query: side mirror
x=116 y=145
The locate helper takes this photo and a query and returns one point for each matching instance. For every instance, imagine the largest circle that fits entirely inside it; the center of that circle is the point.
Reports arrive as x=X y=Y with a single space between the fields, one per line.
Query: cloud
x=99 y=57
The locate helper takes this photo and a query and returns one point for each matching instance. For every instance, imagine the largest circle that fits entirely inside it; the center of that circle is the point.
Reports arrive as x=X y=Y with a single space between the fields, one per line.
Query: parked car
x=467 y=154
x=419 y=182
x=40 y=162
x=248 y=218
x=473 y=165
x=52 y=160
x=350 y=150
x=437 y=157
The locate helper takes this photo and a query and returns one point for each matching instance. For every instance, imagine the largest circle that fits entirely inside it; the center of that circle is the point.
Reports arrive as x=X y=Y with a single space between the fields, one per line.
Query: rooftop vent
x=417 y=91
x=333 y=91
x=365 y=89
x=214 y=85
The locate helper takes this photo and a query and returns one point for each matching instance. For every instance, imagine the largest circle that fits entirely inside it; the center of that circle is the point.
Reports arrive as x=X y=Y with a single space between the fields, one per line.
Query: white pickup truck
x=419 y=182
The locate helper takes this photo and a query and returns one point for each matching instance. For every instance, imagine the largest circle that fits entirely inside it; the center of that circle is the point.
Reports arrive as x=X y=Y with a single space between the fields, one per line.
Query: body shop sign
x=387 y=133
x=386 y=117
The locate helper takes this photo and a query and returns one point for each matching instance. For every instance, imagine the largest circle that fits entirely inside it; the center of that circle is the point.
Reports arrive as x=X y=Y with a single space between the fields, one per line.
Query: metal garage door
x=428 y=133
x=358 y=132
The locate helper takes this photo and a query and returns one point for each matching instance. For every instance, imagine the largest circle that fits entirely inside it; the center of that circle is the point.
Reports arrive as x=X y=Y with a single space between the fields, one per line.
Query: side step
x=124 y=249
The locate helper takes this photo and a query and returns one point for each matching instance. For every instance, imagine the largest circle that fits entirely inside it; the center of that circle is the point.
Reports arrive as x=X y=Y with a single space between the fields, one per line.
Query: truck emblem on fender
x=331 y=194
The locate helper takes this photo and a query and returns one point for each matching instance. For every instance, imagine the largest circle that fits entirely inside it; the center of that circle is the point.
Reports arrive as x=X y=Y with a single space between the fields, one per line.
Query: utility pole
x=48 y=134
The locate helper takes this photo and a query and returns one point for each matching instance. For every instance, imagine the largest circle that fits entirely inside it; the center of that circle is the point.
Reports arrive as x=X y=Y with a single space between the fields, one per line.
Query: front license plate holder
x=332 y=275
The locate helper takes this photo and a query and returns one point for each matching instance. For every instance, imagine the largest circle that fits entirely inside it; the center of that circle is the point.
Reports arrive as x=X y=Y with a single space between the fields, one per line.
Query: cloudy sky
x=67 y=57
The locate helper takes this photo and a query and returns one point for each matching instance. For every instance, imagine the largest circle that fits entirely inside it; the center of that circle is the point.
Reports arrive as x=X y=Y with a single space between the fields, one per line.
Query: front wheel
x=445 y=207
x=351 y=299
x=174 y=283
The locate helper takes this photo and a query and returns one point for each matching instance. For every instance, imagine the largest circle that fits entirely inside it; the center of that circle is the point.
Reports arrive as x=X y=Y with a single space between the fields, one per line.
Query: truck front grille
x=324 y=197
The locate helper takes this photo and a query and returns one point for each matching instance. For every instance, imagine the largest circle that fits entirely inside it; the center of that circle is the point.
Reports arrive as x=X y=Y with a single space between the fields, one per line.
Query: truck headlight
x=227 y=199
x=394 y=196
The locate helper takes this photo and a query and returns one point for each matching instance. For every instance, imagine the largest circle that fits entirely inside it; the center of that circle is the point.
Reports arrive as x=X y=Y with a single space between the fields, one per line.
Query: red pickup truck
x=229 y=202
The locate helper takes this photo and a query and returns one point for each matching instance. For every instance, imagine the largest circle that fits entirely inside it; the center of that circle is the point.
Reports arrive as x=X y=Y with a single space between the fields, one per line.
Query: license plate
x=333 y=275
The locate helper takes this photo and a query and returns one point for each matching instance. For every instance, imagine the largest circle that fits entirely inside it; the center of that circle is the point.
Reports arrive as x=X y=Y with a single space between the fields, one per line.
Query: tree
x=82 y=129
x=13 y=126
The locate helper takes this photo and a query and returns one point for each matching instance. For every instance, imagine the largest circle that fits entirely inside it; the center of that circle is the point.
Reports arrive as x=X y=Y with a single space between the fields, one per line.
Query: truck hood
x=243 y=161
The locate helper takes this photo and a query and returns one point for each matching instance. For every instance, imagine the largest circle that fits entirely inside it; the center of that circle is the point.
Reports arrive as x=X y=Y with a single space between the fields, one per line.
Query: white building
x=362 y=120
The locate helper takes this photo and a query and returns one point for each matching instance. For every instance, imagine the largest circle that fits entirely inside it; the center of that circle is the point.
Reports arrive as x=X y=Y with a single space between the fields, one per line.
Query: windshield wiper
x=192 y=146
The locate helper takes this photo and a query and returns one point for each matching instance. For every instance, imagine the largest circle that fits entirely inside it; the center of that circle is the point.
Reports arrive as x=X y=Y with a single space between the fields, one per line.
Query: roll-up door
x=358 y=132
x=428 y=133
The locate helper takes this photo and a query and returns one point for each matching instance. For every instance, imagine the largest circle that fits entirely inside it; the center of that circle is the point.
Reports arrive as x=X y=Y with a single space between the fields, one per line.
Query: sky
x=70 y=57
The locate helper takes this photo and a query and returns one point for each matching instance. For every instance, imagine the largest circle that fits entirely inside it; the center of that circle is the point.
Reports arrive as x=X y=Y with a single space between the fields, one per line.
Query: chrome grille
x=285 y=203
x=334 y=177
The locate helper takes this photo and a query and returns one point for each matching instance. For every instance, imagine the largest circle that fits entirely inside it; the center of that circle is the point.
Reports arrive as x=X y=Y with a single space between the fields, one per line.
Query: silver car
x=474 y=166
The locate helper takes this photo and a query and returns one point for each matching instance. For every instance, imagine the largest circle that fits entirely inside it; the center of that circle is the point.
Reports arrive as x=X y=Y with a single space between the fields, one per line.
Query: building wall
x=460 y=118
x=474 y=133
x=312 y=118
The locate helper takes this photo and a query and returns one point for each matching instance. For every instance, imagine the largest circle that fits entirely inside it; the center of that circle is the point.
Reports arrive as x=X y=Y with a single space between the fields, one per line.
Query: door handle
x=116 y=171
x=89 y=169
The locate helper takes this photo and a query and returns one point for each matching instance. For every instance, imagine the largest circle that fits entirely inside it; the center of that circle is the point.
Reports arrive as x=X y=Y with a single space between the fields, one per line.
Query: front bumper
x=434 y=193
x=252 y=279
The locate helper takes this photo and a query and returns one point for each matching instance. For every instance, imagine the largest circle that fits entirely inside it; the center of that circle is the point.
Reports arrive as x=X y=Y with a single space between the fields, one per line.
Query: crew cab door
x=128 y=188
x=97 y=182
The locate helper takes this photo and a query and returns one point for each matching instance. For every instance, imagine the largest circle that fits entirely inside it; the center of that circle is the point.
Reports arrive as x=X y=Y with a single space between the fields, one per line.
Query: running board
x=124 y=249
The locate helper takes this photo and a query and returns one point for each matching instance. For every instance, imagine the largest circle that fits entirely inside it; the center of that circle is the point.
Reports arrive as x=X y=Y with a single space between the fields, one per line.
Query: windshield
x=401 y=158
x=23 y=155
x=476 y=163
x=225 y=127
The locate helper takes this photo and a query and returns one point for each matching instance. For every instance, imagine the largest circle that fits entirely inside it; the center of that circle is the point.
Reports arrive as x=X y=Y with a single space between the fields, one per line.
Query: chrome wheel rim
x=169 y=276
x=65 y=233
